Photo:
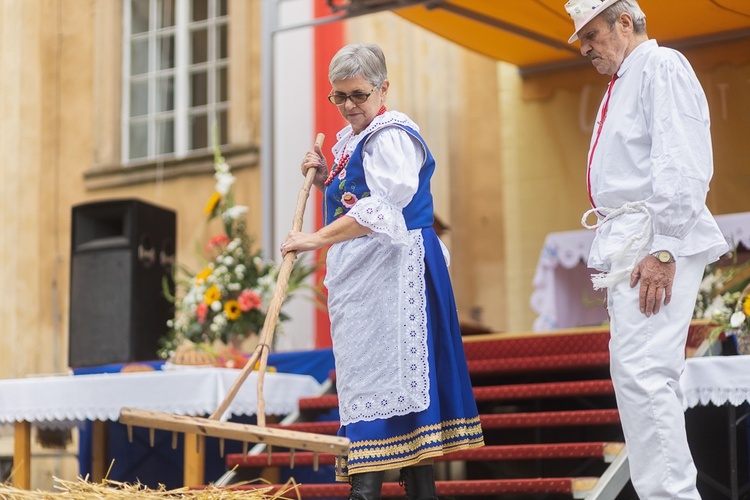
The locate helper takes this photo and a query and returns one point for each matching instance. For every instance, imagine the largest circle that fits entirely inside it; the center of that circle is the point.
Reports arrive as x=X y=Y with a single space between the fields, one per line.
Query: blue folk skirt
x=451 y=422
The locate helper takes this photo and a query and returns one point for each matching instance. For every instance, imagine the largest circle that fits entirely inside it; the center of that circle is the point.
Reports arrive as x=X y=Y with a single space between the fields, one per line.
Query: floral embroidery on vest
x=346 y=196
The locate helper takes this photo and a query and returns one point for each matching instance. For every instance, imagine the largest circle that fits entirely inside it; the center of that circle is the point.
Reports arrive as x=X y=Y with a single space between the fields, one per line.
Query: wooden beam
x=306 y=441
x=194 y=460
x=99 y=463
x=22 y=455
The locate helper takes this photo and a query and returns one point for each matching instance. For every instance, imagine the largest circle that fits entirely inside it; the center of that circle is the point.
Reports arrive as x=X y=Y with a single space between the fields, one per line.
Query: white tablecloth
x=716 y=380
x=65 y=401
x=563 y=296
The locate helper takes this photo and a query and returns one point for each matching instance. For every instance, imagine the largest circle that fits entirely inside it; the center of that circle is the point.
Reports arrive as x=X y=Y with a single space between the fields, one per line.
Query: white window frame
x=181 y=72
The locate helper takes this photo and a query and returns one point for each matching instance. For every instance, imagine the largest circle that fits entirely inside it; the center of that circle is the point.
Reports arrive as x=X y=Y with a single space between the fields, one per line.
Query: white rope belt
x=605 y=280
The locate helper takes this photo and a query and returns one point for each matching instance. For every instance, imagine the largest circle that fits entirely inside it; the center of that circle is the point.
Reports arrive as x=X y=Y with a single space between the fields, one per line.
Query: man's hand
x=656 y=283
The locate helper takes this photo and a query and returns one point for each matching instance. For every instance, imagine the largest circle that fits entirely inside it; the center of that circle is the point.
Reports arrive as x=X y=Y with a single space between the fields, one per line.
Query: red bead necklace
x=341 y=165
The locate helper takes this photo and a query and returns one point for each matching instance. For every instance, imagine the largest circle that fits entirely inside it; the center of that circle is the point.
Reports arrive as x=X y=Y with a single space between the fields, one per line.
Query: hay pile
x=81 y=489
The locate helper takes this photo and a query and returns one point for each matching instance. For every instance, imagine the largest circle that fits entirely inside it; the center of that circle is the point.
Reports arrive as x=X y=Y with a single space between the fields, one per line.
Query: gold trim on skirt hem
x=377 y=455
x=341 y=476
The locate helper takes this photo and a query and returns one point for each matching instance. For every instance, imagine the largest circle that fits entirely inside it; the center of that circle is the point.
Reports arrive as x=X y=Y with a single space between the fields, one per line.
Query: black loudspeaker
x=122 y=251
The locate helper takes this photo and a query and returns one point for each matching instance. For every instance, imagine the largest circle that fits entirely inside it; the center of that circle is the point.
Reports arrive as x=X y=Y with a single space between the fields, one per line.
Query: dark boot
x=419 y=482
x=366 y=486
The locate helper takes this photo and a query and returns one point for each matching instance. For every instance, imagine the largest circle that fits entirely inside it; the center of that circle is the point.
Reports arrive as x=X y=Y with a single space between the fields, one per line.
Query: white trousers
x=647 y=356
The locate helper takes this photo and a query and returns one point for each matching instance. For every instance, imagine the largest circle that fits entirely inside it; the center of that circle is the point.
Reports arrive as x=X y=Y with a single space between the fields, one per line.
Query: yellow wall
x=60 y=97
x=60 y=86
x=30 y=246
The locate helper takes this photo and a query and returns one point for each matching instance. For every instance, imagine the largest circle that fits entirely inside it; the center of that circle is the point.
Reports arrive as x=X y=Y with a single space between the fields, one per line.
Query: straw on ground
x=82 y=489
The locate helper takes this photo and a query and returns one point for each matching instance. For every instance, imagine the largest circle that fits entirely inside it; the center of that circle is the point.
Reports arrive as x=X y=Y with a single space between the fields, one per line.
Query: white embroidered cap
x=583 y=11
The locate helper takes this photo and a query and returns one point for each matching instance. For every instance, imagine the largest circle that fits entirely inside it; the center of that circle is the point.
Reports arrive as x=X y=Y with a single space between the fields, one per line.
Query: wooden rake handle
x=272 y=316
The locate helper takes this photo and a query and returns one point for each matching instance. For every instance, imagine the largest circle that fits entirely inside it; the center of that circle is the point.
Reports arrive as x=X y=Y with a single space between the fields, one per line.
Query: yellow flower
x=201 y=276
x=212 y=295
x=232 y=309
x=212 y=202
x=746 y=306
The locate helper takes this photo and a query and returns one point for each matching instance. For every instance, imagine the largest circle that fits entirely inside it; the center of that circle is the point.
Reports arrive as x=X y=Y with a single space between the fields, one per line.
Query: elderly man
x=648 y=171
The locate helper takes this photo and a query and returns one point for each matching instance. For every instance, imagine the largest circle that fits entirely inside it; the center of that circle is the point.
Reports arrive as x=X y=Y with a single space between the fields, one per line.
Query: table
x=720 y=381
x=563 y=296
x=67 y=401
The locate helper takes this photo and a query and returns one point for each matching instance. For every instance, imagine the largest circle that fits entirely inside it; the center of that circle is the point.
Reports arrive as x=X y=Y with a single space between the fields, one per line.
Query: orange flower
x=201 y=312
x=249 y=300
x=218 y=242
x=746 y=306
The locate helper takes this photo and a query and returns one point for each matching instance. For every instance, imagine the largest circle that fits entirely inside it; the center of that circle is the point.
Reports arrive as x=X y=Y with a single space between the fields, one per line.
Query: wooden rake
x=213 y=426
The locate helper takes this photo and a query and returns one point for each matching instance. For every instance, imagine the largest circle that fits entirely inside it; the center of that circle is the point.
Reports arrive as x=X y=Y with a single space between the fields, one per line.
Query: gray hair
x=357 y=59
x=631 y=7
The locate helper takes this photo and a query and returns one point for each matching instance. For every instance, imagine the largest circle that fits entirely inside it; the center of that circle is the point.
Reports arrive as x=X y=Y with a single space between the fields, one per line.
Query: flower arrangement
x=724 y=300
x=226 y=302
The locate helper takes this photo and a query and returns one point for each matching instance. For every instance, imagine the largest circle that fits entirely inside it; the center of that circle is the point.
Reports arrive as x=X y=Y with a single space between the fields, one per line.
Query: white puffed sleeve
x=392 y=161
x=681 y=154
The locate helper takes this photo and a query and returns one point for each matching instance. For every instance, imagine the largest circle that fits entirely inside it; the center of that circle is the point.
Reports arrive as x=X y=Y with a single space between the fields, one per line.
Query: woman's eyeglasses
x=356 y=97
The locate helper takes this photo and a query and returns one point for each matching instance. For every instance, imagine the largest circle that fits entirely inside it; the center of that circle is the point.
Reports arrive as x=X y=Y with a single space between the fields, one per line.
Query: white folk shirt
x=655 y=147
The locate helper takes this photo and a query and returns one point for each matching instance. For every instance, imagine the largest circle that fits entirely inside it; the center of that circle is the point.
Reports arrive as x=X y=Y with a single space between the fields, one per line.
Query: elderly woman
x=404 y=391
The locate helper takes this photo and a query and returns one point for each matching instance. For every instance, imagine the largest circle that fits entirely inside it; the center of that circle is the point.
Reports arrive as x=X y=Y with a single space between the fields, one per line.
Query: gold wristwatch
x=664 y=256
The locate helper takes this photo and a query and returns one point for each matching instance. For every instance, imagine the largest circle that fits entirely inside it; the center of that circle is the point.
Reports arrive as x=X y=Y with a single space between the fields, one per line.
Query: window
x=175 y=77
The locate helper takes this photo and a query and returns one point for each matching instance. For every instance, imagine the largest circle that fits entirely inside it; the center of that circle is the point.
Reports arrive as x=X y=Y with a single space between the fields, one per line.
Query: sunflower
x=232 y=309
x=212 y=295
x=746 y=306
x=212 y=202
x=200 y=278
